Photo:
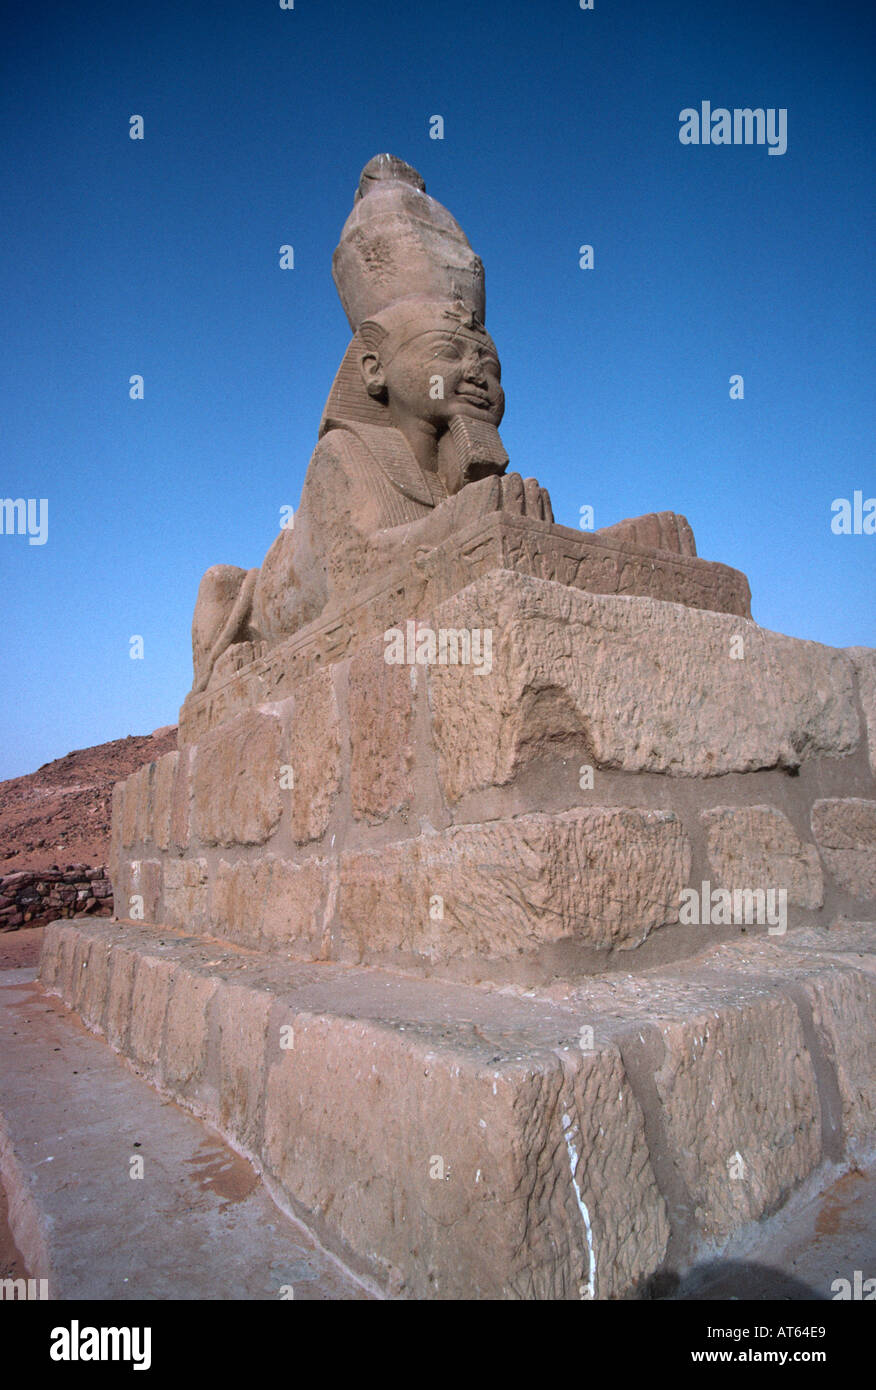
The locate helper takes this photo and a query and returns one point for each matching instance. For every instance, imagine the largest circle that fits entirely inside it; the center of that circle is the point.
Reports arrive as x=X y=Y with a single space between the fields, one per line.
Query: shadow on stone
x=734 y=1279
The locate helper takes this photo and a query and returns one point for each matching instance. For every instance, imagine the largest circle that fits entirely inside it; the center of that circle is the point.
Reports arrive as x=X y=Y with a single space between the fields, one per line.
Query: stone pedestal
x=415 y=936
x=545 y=809
x=599 y=563
x=573 y=1142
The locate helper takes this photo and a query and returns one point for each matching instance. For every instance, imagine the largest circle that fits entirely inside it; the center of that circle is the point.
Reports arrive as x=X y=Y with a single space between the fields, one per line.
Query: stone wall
x=31 y=898
x=546 y=817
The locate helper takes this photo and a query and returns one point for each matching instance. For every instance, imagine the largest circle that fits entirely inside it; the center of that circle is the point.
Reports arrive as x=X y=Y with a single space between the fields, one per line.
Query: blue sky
x=161 y=257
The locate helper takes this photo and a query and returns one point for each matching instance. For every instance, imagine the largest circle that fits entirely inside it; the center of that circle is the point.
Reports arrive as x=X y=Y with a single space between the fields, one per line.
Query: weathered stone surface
x=604 y=876
x=184 y=1056
x=149 y=999
x=93 y=997
x=523 y=1164
x=758 y=847
x=180 y=809
x=129 y=811
x=398 y=242
x=120 y=984
x=845 y=831
x=137 y=805
x=64 y=976
x=50 y=955
x=843 y=1010
x=138 y=889
x=162 y=799
x=274 y=903
x=242 y=1018
x=507 y=1181
x=237 y=902
x=236 y=781
x=186 y=887
x=315 y=757
x=649 y=687
x=739 y=1085
x=79 y=970
x=864 y=660
x=298 y=908
x=381 y=711
x=114 y=856
x=656 y=530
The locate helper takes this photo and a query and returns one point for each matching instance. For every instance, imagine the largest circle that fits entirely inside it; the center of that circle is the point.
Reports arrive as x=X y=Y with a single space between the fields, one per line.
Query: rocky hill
x=59 y=816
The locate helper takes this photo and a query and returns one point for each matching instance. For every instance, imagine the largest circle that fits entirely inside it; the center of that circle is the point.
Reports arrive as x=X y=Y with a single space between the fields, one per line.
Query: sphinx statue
x=409 y=449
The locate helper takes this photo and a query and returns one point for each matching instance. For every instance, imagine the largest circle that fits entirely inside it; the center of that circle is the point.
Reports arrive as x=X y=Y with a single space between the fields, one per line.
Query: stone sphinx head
x=431 y=362
x=421 y=361
x=429 y=369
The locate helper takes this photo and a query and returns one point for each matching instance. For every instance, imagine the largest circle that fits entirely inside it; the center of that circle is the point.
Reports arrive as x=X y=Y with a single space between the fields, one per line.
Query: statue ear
x=373 y=374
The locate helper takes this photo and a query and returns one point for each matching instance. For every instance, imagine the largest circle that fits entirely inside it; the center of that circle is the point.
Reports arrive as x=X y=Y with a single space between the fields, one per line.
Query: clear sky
x=160 y=257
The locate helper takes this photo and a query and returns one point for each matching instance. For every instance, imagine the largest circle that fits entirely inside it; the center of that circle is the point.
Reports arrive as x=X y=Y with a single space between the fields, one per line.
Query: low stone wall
x=550 y=815
x=31 y=898
x=452 y=1141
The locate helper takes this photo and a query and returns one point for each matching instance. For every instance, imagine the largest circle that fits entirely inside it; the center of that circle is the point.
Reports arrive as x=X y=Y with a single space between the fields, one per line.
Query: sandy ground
x=20 y=949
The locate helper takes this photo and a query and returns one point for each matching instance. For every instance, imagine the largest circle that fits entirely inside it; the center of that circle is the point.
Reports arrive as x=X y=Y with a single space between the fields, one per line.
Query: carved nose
x=474 y=371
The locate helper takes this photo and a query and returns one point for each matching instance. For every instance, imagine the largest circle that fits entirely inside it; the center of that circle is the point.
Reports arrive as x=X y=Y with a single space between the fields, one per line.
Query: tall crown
x=398 y=242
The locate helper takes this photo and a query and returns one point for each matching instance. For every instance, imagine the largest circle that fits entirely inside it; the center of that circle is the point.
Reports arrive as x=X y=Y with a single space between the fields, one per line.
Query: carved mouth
x=474 y=398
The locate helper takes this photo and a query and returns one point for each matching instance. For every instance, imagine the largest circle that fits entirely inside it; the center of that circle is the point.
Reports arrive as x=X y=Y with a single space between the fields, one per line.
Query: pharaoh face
x=437 y=371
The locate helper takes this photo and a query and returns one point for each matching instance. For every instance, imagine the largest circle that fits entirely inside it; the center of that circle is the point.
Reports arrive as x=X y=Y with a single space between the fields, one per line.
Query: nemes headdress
x=398 y=248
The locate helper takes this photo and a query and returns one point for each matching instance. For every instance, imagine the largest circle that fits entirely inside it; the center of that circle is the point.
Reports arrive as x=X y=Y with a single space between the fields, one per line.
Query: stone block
x=93 y=996
x=524 y=1162
x=162 y=799
x=758 y=847
x=242 y=1020
x=137 y=889
x=78 y=971
x=843 y=1010
x=381 y=713
x=120 y=985
x=237 y=902
x=186 y=886
x=845 y=832
x=606 y=877
x=236 y=781
x=646 y=686
x=740 y=1110
x=180 y=809
x=298 y=908
x=149 y=998
x=275 y=903
x=315 y=756
x=117 y=816
x=50 y=954
x=864 y=661
x=135 y=810
x=184 y=1056
x=507 y=1181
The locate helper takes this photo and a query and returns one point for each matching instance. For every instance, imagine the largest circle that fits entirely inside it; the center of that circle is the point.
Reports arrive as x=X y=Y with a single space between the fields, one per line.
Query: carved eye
x=449 y=351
